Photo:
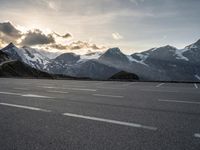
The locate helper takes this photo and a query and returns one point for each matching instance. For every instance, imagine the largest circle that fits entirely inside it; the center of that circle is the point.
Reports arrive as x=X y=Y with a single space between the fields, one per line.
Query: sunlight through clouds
x=117 y=36
x=140 y=22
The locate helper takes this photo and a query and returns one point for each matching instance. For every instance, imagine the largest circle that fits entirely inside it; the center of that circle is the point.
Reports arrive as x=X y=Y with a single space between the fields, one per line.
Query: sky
x=74 y=25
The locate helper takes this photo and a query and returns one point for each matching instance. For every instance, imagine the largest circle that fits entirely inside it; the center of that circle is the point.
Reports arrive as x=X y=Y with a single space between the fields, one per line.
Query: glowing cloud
x=117 y=36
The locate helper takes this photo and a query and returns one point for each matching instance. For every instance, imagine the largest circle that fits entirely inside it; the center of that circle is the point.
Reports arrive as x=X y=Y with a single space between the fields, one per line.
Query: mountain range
x=165 y=63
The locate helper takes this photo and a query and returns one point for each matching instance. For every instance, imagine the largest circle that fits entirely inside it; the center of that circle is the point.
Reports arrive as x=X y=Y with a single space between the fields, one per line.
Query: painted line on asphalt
x=196 y=86
x=25 y=95
x=149 y=90
x=80 y=89
x=177 y=101
x=110 y=88
x=159 y=85
x=25 y=107
x=69 y=88
x=48 y=87
x=61 y=92
x=35 y=96
x=111 y=96
x=197 y=135
x=10 y=93
x=135 y=125
x=40 y=85
x=129 y=84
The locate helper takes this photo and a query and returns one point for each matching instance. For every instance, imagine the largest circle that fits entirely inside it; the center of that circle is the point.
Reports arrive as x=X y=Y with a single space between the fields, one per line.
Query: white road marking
x=48 y=87
x=197 y=135
x=135 y=125
x=10 y=93
x=159 y=85
x=129 y=84
x=80 y=89
x=25 y=107
x=149 y=90
x=112 y=96
x=110 y=88
x=36 y=96
x=69 y=88
x=25 y=95
x=196 y=86
x=177 y=101
x=61 y=92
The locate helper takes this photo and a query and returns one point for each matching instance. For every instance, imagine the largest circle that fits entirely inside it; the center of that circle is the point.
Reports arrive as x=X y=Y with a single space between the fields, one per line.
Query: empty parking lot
x=68 y=114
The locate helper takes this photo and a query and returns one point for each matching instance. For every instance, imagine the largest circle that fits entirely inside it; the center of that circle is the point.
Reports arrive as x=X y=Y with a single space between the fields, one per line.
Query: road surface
x=98 y=115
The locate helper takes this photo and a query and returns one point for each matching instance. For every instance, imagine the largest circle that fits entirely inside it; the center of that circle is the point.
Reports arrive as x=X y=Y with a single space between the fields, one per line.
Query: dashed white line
x=151 y=90
x=197 y=135
x=36 y=96
x=159 y=85
x=48 y=87
x=25 y=107
x=69 y=88
x=61 y=92
x=177 y=101
x=112 y=96
x=112 y=88
x=10 y=93
x=25 y=95
x=135 y=125
x=196 y=86
x=79 y=89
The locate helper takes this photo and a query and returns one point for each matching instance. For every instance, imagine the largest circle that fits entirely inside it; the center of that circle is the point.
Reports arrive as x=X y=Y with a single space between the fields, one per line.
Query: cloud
x=9 y=30
x=67 y=35
x=77 y=45
x=8 y=33
x=36 y=37
x=117 y=36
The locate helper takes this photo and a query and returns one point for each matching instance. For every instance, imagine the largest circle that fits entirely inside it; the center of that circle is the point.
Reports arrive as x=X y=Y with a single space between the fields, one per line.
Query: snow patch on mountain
x=197 y=76
x=131 y=59
x=179 y=54
x=90 y=56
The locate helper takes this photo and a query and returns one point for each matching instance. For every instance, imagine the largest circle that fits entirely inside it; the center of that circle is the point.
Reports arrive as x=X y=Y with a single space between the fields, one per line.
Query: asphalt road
x=95 y=115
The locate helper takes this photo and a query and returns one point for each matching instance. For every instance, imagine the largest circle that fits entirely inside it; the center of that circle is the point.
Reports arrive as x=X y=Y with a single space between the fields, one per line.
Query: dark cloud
x=58 y=46
x=8 y=33
x=9 y=30
x=36 y=37
x=80 y=45
x=76 y=46
x=66 y=36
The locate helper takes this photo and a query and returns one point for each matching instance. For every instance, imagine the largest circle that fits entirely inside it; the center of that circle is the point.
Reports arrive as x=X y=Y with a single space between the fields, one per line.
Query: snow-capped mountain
x=27 y=55
x=165 y=63
x=12 y=51
x=80 y=66
x=3 y=57
x=114 y=56
x=169 y=63
x=90 y=56
x=67 y=58
x=92 y=69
